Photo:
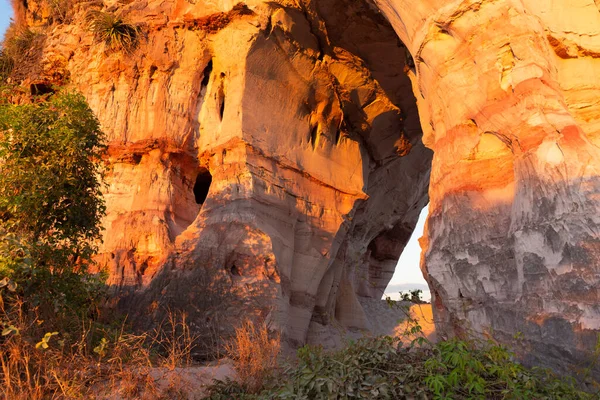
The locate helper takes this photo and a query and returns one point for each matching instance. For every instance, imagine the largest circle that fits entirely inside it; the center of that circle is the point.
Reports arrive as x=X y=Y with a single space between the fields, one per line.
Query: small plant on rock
x=112 y=30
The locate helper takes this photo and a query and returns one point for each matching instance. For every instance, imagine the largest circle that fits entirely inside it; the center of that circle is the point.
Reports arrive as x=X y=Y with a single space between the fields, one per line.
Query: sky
x=5 y=15
x=408 y=274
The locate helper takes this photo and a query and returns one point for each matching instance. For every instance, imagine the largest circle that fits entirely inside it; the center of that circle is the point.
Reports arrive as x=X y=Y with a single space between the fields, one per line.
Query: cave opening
x=40 y=89
x=202 y=186
x=221 y=98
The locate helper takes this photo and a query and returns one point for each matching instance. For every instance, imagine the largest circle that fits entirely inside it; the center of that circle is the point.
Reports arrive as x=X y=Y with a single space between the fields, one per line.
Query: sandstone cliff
x=509 y=98
x=275 y=148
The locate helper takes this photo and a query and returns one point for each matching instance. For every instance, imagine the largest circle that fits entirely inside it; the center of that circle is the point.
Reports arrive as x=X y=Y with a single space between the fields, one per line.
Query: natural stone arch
x=317 y=151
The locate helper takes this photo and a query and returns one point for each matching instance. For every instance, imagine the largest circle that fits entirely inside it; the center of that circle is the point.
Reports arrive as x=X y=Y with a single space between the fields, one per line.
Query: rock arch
x=321 y=161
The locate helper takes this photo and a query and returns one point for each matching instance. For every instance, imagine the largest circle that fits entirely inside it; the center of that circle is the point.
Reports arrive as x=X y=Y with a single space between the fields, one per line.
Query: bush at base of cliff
x=382 y=368
x=50 y=212
x=50 y=200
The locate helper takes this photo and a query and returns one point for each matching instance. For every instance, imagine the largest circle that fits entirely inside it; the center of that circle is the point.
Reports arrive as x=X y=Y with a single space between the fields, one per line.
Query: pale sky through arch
x=408 y=273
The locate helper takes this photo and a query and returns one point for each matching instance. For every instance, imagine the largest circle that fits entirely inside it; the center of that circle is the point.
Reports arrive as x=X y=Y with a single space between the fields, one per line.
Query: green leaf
x=10 y=329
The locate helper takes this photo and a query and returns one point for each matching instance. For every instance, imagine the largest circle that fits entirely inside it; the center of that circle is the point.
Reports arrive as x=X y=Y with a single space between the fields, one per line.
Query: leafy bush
x=112 y=30
x=382 y=368
x=50 y=211
x=413 y=296
x=50 y=199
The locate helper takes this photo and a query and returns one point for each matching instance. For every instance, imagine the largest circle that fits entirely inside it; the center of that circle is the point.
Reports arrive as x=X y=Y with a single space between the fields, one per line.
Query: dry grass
x=174 y=339
x=254 y=351
x=64 y=11
x=19 y=10
x=87 y=361
x=21 y=53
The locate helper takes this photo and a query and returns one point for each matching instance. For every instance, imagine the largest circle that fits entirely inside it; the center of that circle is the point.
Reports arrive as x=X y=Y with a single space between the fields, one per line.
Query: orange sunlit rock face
x=508 y=97
x=421 y=315
x=276 y=146
x=284 y=149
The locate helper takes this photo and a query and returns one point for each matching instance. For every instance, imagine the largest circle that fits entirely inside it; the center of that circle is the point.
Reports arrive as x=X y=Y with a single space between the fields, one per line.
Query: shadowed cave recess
x=272 y=166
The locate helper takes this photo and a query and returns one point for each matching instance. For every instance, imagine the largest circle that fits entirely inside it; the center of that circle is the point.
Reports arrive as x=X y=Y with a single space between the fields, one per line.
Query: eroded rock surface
x=509 y=99
x=274 y=148
x=269 y=147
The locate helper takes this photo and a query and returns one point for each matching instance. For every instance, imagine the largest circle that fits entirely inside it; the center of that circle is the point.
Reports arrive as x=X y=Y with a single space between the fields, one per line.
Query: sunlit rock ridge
x=289 y=146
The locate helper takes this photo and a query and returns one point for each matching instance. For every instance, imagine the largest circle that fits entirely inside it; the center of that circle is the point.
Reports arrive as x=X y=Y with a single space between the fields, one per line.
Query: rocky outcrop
x=273 y=151
x=508 y=94
x=270 y=150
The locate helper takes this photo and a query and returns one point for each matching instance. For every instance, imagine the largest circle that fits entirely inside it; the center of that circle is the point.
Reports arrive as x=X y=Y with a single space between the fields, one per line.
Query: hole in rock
x=39 y=89
x=221 y=97
x=235 y=270
x=221 y=102
x=407 y=275
x=206 y=74
x=314 y=133
x=153 y=70
x=202 y=186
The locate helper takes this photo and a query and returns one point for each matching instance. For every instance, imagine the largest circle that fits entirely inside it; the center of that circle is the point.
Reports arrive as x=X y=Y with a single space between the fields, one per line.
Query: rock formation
x=278 y=145
x=509 y=99
x=276 y=148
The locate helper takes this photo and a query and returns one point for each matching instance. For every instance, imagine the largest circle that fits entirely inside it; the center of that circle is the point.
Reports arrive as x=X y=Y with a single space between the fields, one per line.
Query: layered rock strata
x=269 y=149
x=274 y=148
x=509 y=99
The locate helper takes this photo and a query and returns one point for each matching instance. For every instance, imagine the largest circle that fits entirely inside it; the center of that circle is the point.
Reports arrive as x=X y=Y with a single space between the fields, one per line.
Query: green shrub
x=111 y=30
x=50 y=212
x=382 y=368
x=413 y=296
x=50 y=200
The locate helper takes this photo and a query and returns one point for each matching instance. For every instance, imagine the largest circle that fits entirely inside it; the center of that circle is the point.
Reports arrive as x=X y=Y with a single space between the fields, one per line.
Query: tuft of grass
x=20 y=11
x=175 y=341
x=254 y=352
x=19 y=41
x=113 y=31
x=7 y=64
x=20 y=54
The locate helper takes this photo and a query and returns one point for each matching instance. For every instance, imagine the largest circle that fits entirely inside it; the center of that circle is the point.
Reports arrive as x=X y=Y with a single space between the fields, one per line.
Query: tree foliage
x=50 y=195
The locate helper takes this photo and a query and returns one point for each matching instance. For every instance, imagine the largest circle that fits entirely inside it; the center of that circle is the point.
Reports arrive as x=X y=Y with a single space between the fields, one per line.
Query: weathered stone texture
x=308 y=126
x=509 y=99
x=303 y=115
